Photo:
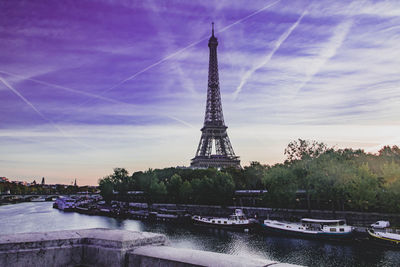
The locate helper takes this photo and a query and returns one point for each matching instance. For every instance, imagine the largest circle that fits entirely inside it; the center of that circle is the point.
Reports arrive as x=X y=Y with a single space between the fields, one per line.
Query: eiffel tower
x=214 y=129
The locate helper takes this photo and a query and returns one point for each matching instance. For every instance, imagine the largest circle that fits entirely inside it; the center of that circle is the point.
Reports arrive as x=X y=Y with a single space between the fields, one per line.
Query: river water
x=41 y=217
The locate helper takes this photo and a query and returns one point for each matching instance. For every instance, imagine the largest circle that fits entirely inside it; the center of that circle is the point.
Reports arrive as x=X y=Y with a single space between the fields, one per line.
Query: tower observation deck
x=213 y=133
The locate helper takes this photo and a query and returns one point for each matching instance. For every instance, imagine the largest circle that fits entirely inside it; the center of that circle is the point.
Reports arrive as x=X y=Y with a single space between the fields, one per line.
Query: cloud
x=266 y=59
x=335 y=78
x=327 y=52
x=40 y=113
x=188 y=47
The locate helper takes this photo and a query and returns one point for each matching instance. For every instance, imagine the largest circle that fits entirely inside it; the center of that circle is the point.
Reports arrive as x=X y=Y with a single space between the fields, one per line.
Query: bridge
x=111 y=248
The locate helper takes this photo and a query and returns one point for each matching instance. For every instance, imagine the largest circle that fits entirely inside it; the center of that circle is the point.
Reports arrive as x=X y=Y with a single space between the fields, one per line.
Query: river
x=41 y=217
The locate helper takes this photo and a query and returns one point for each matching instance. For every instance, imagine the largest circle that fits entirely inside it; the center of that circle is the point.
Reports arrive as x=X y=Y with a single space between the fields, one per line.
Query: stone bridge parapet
x=111 y=248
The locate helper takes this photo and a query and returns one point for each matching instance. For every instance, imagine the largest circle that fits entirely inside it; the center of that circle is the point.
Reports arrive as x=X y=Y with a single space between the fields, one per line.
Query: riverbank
x=352 y=217
x=182 y=214
x=361 y=219
x=121 y=209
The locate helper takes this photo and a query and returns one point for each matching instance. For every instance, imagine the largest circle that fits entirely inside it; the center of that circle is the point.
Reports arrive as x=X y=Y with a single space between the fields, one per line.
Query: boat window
x=341 y=229
x=225 y=222
x=219 y=221
x=213 y=221
x=333 y=229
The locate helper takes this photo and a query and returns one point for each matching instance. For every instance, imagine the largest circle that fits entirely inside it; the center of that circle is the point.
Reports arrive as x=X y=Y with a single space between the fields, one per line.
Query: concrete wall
x=107 y=247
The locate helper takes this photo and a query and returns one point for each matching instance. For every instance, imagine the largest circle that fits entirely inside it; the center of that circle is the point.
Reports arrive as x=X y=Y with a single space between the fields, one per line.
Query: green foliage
x=117 y=181
x=223 y=188
x=174 y=184
x=157 y=191
x=313 y=176
x=253 y=175
x=106 y=188
x=363 y=189
x=391 y=172
x=304 y=149
x=185 y=192
x=281 y=188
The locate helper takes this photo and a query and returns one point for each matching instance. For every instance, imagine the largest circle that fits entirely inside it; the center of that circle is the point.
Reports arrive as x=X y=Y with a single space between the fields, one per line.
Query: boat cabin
x=238 y=215
x=323 y=222
x=331 y=226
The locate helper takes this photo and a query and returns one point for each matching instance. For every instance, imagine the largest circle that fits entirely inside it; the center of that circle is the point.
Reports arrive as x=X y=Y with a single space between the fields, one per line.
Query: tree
x=253 y=175
x=196 y=186
x=280 y=182
x=301 y=153
x=145 y=179
x=157 y=191
x=116 y=181
x=388 y=151
x=304 y=149
x=106 y=187
x=390 y=172
x=329 y=175
x=223 y=188
x=185 y=192
x=173 y=186
x=363 y=189
x=391 y=197
x=206 y=191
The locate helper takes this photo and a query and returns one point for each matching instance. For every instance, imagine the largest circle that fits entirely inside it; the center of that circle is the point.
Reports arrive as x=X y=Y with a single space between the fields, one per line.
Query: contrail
x=40 y=113
x=189 y=46
x=64 y=88
x=181 y=121
x=328 y=52
x=80 y=92
x=263 y=62
x=249 y=16
x=139 y=72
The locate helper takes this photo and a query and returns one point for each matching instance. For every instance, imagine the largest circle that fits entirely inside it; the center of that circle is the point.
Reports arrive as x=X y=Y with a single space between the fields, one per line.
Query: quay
x=112 y=248
x=182 y=214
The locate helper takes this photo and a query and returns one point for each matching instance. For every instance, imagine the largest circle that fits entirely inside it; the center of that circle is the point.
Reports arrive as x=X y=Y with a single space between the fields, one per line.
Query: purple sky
x=86 y=86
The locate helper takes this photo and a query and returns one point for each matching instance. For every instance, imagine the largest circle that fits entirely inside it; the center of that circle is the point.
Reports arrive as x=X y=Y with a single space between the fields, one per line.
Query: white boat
x=65 y=204
x=325 y=229
x=384 y=238
x=383 y=235
x=236 y=221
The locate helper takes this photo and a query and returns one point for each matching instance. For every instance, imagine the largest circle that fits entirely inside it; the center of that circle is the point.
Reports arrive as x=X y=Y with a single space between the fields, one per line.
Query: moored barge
x=236 y=221
x=314 y=228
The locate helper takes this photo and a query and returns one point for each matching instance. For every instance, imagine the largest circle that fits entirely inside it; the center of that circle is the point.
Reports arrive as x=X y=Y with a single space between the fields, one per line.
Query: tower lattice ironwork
x=213 y=133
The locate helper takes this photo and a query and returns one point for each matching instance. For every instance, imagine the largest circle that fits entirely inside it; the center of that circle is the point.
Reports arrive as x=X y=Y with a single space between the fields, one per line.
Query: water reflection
x=41 y=217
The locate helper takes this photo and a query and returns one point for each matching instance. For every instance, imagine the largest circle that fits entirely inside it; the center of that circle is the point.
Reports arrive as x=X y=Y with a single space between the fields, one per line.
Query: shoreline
x=356 y=218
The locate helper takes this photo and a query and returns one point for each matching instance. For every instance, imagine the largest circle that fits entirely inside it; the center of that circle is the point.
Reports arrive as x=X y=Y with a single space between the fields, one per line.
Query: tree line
x=313 y=176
